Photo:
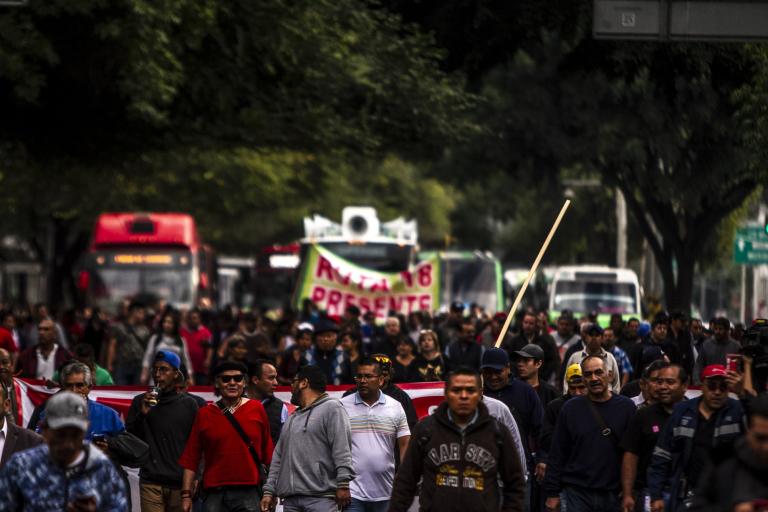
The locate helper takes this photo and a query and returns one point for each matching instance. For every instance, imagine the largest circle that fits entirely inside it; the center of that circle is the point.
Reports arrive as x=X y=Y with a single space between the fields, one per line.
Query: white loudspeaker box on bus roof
x=359 y=223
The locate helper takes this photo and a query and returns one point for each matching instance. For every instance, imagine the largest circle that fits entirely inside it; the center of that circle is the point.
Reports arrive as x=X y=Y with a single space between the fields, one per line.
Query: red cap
x=714 y=370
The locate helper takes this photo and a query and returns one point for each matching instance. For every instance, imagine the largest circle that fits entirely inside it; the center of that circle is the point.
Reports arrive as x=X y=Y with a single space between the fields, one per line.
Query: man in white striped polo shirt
x=378 y=424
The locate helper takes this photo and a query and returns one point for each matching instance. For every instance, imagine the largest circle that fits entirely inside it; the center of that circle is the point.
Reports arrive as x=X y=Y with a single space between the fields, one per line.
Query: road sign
x=681 y=20
x=750 y=246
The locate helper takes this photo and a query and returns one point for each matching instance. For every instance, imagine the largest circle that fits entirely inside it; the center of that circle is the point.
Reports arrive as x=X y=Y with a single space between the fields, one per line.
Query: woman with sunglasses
x=233 y=473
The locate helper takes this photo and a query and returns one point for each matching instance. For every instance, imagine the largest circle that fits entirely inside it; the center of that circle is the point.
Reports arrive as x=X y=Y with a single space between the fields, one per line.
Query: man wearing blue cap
x=164 y=422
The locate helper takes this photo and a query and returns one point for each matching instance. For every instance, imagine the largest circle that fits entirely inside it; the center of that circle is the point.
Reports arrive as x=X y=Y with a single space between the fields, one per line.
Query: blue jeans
x=581 y=499
x=247 y=499
x=367 y=506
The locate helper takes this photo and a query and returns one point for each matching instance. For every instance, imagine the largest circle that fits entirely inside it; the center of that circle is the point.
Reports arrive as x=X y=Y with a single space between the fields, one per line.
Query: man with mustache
x=585 y=459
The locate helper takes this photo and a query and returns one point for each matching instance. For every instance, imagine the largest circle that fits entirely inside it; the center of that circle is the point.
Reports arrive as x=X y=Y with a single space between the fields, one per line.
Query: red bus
x=276 y=272
x=149 y=257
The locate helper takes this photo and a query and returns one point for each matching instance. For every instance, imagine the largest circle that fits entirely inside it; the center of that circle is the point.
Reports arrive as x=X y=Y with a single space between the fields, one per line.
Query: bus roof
x=619 y=274
x=121 y=229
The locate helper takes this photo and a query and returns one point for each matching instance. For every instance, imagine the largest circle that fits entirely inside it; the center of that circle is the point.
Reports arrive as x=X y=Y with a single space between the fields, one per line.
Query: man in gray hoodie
x=312 y=463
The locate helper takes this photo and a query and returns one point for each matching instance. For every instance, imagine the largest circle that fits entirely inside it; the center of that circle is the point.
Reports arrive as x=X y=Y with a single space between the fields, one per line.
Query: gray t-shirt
x=131 y=343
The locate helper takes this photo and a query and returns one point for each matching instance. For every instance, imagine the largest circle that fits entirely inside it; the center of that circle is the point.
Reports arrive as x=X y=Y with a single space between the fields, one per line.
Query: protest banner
x=425 y=395
x=334 y=284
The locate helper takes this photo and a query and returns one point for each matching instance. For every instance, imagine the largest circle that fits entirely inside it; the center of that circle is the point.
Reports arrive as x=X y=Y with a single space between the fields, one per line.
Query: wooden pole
x=536 y=262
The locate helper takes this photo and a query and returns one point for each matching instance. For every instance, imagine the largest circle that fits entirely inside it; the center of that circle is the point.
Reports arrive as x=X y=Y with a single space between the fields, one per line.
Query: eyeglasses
x=597 y=373
x=716 y=385
x=383 y=359
x=226 y=379
x=364 y=376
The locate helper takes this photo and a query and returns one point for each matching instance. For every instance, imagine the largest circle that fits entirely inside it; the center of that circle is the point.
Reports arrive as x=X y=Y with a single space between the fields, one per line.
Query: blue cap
x=169 y=357
x=495 y=358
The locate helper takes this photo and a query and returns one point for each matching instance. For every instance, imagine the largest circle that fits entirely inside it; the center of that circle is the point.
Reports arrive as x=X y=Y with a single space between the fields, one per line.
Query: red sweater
x=227 y=459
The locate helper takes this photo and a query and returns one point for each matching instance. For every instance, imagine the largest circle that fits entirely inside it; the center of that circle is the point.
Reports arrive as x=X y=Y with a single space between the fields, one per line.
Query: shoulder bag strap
x=605 y=430
x=247 y=440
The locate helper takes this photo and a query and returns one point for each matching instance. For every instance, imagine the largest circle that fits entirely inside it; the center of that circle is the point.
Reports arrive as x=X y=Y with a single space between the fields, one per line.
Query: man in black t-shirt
x=670 y=383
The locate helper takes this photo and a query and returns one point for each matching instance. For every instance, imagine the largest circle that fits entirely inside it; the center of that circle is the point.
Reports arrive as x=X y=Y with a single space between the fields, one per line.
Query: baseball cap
x=66 y=409
x=495 y=358
x=714 y=370
x=573 y=373
x=531 y=350
x=169 y=357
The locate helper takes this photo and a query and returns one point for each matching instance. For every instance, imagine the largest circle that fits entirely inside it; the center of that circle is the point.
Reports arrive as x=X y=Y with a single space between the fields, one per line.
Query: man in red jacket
x=232 y=478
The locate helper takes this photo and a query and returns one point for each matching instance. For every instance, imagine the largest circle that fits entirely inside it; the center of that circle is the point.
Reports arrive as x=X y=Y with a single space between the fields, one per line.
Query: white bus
x=584 y=289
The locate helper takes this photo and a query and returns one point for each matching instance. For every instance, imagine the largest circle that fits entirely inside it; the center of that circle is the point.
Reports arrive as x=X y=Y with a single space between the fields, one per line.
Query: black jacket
x=165 y=429
x=460 y=471
x=741 y=478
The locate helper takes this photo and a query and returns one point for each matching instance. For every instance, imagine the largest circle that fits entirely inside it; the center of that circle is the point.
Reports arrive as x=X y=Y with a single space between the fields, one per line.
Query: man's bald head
x=6 y=367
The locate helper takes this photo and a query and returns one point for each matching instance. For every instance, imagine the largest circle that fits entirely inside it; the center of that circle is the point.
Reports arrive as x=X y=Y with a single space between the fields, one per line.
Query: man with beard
x=741 y=481
x=312 y=465
x=699 y=431
x=714 y=350
x=670 y=381
x=585 y=459
x=233 y=470
x=378 y=428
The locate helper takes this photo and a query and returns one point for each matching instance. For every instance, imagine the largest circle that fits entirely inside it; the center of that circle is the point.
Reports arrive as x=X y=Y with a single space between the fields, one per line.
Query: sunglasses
x=226 y=379
x=714 y=385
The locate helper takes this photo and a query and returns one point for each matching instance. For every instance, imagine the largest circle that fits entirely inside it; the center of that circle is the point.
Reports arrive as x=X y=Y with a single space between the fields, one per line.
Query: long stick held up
x=520 y=294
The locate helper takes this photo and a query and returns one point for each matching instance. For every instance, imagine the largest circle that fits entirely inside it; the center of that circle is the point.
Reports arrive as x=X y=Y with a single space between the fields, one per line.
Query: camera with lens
x=755 y=346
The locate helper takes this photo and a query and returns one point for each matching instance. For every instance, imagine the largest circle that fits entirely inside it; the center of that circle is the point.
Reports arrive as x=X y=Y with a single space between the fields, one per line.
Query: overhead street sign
x=681 y=20
x=750 y=246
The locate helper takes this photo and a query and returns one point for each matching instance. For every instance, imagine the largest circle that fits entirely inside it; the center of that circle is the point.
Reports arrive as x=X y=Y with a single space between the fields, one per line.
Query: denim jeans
x=367 y=506
x=309 y=504
x=233 y=499
x=581 y=499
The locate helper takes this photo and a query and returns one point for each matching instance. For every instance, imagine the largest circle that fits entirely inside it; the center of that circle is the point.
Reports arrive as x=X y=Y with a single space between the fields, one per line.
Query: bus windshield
x=166 y=275
x=601 y=297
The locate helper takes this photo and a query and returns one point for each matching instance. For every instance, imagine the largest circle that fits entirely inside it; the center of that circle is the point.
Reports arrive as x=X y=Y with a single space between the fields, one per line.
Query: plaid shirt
x=625 y=367
x=33 y=483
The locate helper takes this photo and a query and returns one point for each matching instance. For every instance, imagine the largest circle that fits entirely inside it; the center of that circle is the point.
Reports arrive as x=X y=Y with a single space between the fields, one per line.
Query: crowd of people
x=566 y=415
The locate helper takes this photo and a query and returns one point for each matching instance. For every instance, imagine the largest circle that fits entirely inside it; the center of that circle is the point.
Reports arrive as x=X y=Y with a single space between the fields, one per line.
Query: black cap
x=594 y=330
x=326 y=325
x=226 y=366
x=532 y=351
x=495 y=358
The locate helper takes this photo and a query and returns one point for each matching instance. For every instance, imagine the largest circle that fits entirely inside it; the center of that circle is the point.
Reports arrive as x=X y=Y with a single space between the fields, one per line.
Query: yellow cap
x=572 y=371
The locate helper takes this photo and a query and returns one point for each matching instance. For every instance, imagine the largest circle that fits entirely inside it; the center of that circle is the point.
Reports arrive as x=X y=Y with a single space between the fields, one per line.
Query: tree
x=679 y=127
x=230 y=110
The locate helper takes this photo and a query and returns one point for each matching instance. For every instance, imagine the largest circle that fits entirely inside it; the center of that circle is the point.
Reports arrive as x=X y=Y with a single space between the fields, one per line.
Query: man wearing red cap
x=700 y=430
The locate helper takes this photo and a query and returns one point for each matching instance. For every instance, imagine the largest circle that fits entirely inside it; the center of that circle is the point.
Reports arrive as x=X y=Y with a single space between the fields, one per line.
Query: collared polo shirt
x=375 y=430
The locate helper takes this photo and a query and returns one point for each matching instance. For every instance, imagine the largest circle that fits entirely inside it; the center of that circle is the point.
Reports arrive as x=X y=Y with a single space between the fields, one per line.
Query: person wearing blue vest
x=700 y=431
